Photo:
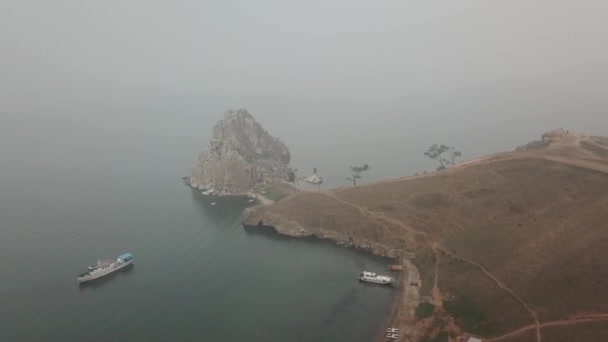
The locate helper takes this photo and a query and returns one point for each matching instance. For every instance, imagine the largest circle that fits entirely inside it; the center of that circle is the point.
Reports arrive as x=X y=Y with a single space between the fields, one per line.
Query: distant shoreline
x=263 y=200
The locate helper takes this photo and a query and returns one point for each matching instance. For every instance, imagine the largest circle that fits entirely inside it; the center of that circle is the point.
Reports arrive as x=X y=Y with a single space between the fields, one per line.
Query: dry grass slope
x=520 y=237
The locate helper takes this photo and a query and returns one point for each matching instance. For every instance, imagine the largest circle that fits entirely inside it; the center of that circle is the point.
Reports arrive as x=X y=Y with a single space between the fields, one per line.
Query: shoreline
x=263 y=200
x=394 y=318
x=402 y=313
x=404 y=310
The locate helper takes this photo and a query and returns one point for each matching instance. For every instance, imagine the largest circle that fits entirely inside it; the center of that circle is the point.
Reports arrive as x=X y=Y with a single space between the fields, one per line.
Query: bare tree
x=437 y=152
x=357 y=170
x=454 y=153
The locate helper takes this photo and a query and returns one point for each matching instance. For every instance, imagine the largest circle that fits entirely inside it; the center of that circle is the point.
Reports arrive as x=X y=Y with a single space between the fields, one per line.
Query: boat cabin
x=126 y=257
x=368 y=274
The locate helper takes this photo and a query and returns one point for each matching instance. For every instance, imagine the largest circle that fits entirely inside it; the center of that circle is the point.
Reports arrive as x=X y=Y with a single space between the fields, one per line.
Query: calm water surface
x=198 y=274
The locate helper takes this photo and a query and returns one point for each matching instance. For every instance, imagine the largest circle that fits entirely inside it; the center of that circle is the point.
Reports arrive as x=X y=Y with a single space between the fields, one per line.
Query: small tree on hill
x=437 y=152
x=454 y=154
x=357 y=170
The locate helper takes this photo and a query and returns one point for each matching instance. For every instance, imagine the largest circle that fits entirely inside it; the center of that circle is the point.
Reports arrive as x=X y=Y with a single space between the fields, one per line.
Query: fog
x=136 y=86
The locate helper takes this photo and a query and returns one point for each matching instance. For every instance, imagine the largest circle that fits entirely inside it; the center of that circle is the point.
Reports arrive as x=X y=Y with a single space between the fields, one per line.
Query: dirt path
x=410 y=232
x=435 y=292
x=404 y=315
x=571 y=148
x=502 y=286
x=570 y=321
x=434 y=244
x=579 y=163
x=405 y=307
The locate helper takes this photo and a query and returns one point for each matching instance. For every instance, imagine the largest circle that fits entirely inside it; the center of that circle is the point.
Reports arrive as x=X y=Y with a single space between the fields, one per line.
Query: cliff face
x=241 y=157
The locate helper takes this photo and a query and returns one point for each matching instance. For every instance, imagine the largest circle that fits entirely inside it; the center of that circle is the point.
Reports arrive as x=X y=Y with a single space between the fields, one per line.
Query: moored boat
x=106 y=267
x=375 y=278
x=395 y=267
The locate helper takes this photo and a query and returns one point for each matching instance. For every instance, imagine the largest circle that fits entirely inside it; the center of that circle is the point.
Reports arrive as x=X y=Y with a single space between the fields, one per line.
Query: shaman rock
x=241 y=157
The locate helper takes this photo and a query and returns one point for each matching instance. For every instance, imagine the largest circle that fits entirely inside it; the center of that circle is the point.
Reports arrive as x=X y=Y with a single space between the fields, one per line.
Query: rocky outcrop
x=241 y=157
x=546 y=140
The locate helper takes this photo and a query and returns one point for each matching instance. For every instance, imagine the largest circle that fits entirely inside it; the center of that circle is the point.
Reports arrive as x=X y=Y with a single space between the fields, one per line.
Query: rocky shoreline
x=291 y=228
x=251 y=195
x=408 y=297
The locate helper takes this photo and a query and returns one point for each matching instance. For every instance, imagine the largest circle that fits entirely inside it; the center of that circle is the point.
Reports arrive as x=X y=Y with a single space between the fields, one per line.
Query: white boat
x=314 y=179
x=106 y=267
x=375 y=278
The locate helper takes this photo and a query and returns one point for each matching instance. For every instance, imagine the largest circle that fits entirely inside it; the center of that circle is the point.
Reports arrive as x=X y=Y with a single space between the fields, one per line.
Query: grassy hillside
x=501 y=243
x=277 y=191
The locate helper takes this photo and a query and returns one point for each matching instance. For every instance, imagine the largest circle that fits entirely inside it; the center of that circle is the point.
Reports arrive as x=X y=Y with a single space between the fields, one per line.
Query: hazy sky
x=86 y=83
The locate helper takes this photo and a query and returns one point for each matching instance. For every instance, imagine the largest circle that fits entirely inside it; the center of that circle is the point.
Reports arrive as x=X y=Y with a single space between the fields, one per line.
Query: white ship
x=106 y=267
x=375 y=278
x=314 y=179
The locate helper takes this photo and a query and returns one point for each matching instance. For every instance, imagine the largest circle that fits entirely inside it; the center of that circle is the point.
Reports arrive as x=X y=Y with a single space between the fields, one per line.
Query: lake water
x=198 y=274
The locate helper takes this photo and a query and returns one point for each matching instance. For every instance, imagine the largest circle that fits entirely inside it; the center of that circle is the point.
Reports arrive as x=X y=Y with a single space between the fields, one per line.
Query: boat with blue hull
x=103 y=268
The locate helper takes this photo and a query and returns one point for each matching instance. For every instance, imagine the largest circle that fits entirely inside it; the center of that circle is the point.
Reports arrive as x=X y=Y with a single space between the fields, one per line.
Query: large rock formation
x=241 y=157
